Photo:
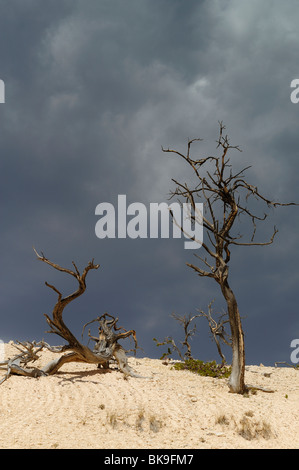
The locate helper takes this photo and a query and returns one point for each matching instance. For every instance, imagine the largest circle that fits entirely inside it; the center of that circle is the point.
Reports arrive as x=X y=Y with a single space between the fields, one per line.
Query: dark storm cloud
x=93 y=89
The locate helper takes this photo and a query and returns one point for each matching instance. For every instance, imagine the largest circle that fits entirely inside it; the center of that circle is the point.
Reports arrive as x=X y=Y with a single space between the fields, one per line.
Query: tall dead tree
x=106 y=346
x=225 y=196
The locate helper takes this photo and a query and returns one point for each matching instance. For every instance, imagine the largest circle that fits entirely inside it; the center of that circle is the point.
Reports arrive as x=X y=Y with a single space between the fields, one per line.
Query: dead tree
x=185 y=321
x=106 y=346
x=217 y=328
x=225 y=196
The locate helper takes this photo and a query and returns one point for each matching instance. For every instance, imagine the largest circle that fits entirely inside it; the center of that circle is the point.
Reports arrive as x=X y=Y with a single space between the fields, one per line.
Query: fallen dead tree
x=106 y=348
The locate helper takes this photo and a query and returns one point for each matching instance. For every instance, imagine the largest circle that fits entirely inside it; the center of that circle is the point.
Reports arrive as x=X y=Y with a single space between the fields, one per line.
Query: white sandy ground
x=82 y=407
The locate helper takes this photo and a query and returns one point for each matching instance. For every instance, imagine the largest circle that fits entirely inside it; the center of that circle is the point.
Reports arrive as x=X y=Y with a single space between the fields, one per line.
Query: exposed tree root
x=257 y=387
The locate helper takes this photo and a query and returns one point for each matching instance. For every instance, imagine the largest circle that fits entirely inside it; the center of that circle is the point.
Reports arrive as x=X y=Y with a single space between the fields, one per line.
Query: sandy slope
x=82 y=407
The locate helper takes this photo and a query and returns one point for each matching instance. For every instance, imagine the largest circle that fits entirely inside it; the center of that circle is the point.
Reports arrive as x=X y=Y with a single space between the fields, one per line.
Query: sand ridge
x=82 y=407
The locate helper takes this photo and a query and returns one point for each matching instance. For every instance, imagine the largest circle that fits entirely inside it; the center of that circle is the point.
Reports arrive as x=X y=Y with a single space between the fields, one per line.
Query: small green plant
x=208 y=369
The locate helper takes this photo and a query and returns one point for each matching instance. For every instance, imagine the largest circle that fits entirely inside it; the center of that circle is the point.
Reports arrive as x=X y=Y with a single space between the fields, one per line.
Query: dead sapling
x=185 y=321
x=217 y=328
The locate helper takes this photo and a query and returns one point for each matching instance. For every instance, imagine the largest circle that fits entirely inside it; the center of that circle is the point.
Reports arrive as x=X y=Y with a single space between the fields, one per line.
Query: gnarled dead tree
x=225 y=195
x=106 y=346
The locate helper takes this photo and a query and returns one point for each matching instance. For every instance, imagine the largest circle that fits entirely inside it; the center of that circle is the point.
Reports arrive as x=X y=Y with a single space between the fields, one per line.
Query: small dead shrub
x=112 y=419
x=155 y=424
x=222 y=419
x=139 y=420
x=250 y=429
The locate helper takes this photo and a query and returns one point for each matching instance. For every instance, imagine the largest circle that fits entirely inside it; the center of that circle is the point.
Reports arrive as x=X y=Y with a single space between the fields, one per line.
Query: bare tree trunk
x=237 y=378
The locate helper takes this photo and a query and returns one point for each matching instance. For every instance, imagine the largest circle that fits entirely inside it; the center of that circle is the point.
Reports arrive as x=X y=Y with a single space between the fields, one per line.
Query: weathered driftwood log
x=106 y=346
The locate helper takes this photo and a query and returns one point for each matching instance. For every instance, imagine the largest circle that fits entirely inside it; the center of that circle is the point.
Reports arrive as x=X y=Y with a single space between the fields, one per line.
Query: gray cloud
x=93 y=89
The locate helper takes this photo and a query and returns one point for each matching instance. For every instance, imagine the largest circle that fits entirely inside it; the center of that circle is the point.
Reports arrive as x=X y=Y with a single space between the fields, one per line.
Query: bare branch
x=200 y=271
x=233 y=242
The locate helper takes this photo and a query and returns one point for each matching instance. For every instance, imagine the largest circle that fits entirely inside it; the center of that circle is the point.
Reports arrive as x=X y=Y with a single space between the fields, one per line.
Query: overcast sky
x=93 y=89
